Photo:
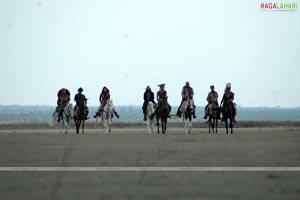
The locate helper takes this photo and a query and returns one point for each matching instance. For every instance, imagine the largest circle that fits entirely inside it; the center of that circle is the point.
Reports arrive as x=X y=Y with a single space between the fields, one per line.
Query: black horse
x=79 y=117
x=228 y=113
x=162 y=115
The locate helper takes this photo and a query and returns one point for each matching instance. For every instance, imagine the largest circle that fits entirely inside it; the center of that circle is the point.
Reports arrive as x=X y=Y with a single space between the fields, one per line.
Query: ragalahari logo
x=275 y=6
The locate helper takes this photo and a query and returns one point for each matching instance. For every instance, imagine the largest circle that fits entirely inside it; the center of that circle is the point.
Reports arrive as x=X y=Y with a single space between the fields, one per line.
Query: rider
x=104 y=97
x=162 y=97
x=148 y=96
x=81 y=101
x=228 y=98
x=187 y=92
x=212 y=98
x=63 y=96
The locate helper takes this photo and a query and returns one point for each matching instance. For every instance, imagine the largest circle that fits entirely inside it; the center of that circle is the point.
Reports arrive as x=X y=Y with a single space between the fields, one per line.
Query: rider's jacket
x=104 y=97
x=228 y=97
x=79 y=99
x=187 y=92
x=148 y=96
x=161 y=95
x=212 y=97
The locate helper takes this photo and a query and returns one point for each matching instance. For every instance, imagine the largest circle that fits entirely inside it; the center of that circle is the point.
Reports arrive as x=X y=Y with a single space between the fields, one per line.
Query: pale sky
x=129 y=44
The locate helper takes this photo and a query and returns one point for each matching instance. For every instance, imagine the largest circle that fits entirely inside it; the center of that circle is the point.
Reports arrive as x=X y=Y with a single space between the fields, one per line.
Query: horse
x=228 y=114
x=162 y=115
x=106 y=116
x=187 y=111
x=150 y=121
x=213 y=114
x=64 y=118
x=79 y=117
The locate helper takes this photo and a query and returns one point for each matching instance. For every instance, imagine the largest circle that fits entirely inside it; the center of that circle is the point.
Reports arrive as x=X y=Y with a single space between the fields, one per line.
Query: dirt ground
x=133 y=147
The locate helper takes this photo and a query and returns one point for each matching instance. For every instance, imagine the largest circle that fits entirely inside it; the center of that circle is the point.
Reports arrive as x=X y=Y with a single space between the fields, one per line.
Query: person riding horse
x=227 y=99
x=162 y=98
x=212 y=99
x=187 y=92
x=81 y=101
x=104 y=97
x=63 y=96
x=148 y=96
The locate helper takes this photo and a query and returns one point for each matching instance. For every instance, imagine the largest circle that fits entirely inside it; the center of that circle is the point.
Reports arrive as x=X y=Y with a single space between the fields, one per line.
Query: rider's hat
x=161 y=85
x=148 y=87
x=80 y=89
x=212 y=86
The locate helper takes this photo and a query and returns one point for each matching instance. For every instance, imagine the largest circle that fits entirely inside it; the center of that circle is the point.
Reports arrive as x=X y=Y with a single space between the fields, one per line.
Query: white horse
x=106 y=116
x=64 y=118
x=187 y=109
x=150 y=122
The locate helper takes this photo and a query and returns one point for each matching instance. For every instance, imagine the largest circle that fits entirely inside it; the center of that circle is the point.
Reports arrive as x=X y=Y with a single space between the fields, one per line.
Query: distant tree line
x=16 y=113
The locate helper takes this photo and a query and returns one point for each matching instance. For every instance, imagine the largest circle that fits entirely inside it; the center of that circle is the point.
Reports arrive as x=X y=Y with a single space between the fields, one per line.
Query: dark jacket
x=79 y=99
x=148 y=96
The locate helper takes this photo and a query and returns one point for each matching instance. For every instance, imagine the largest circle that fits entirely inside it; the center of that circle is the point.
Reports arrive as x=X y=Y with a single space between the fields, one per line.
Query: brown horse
x=213 y=111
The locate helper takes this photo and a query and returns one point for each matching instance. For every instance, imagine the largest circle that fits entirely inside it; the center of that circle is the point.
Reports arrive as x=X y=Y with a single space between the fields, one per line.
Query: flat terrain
x=133 y=147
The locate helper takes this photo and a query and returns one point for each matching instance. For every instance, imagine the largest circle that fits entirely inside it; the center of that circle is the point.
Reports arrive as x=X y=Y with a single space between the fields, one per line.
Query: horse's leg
x=184 y=123
x=77 y=126
x=190 y=124
x=109 y=123
x=226 y=125
x=148 y=125
x=209 y=124
x=166 y=124
x=83 y=126
x=231 y=126
x=152 y=125
x=163 y=125
x=212 y=125
x=103 y=122
x=66 y=125
x=157 y=123
x=217 y=125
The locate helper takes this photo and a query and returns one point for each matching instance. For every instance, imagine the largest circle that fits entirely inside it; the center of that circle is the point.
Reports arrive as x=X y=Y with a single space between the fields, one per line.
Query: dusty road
x=253 y=147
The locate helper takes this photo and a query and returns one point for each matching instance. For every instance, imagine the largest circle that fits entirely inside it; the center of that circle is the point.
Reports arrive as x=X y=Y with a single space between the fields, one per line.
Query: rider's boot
x=153 y=114
x=58 y=118
x=96 y=114
x=145 y=118
x=205 y=116
x=194 y=115
x=178 y=112
x=116 y=114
